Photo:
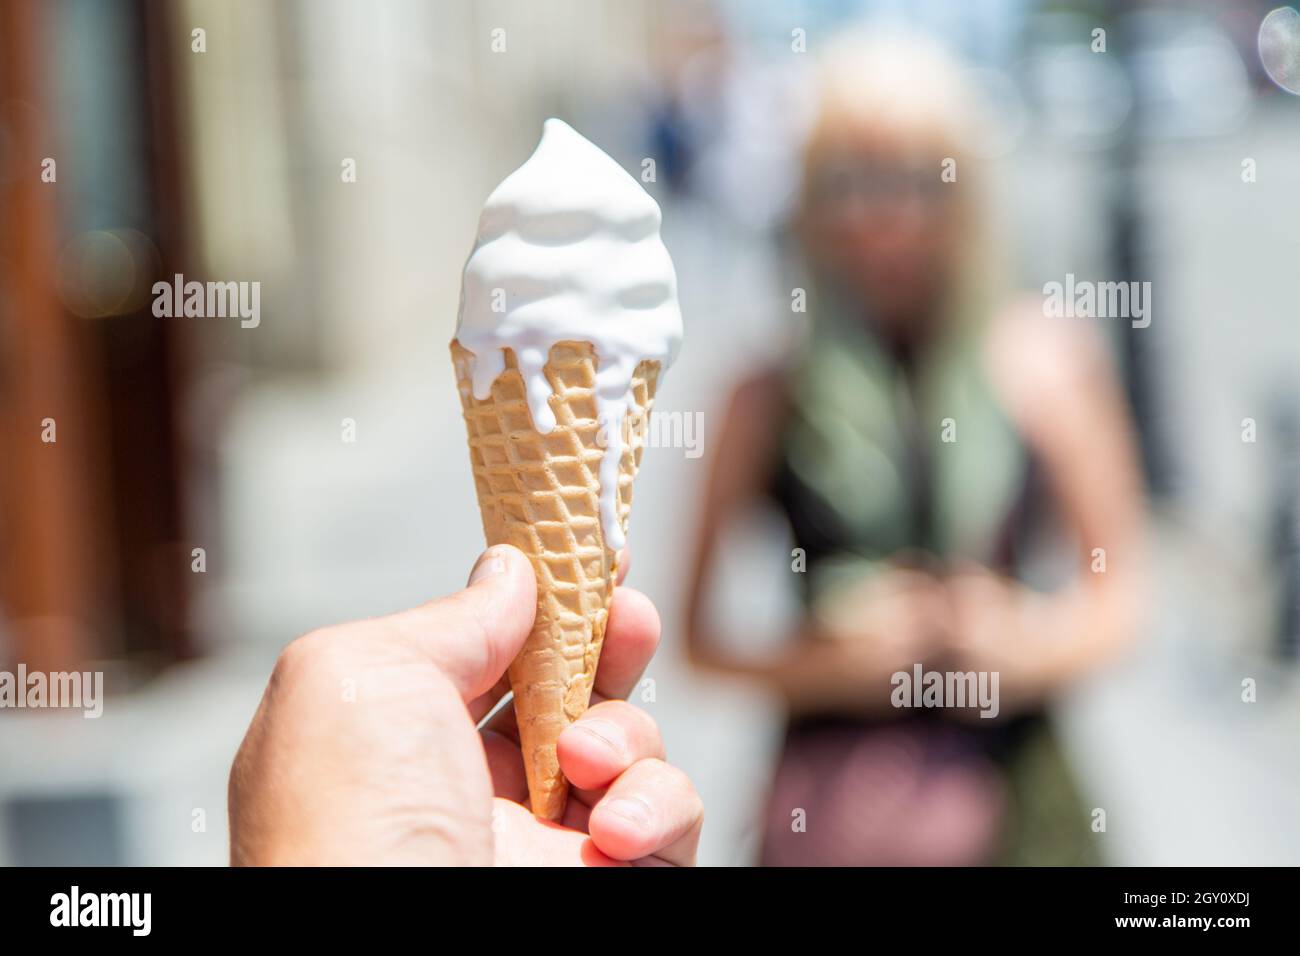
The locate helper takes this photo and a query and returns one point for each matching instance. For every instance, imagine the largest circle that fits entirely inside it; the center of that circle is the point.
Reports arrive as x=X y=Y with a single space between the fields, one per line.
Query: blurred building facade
x=338 y=153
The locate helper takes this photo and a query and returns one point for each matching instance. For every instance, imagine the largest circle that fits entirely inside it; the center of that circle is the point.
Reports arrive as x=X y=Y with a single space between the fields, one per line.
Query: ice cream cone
x=568 y=317
x=541 y=493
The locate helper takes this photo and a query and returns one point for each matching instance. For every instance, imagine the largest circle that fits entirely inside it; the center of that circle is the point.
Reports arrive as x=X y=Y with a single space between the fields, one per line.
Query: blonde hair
x=903 y=84
x=907 y=90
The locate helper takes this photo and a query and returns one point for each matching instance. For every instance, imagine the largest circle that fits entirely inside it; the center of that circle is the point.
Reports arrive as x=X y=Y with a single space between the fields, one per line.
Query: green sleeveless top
x=895 y=460
x=876 y=460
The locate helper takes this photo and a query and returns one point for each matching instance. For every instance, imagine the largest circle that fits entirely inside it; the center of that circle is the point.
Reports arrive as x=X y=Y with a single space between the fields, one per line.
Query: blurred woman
x=906 y=445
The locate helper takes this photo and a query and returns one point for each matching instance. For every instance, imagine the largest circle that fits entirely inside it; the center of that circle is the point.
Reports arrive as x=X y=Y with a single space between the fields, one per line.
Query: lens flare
x=1279 y=48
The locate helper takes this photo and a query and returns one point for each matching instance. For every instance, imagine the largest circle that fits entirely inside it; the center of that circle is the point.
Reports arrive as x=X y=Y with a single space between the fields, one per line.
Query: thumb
x=474 y=634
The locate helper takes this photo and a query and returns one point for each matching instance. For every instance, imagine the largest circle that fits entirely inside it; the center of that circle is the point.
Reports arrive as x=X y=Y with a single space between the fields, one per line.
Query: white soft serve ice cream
x=568 y=250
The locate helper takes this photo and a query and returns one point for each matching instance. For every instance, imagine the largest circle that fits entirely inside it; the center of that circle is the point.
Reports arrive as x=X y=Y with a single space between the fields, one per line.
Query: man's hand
x=364 y=749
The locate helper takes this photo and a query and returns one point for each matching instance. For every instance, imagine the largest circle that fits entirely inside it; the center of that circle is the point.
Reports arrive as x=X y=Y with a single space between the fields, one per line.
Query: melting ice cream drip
x=613 y=399
x=568 y=250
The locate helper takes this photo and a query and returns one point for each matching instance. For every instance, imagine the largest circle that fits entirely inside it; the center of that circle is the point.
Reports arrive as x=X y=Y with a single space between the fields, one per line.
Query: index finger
x=631 y=638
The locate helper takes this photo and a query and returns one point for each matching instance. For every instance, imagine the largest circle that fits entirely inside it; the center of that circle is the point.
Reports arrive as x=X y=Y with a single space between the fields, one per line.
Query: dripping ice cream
x=568 y=250
x=568 y=317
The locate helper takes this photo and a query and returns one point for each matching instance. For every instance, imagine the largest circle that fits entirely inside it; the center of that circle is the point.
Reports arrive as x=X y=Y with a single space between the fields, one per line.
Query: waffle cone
x=541 y=493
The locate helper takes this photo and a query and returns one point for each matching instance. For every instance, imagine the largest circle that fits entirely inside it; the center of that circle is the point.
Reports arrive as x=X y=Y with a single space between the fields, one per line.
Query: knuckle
x=314 y=651
x=673 y=776
x=635 y=719
x=674 y=780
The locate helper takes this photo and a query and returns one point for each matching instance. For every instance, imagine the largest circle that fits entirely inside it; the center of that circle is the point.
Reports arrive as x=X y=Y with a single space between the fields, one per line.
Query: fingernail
x=607 y=732
x=632 y=809
x=489 y=563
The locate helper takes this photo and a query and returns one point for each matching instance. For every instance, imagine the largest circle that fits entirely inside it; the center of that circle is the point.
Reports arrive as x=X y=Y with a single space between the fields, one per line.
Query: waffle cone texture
x=541 y=493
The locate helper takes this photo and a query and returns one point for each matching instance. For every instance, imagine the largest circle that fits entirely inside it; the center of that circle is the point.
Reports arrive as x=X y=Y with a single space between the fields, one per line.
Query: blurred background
x=230 y=163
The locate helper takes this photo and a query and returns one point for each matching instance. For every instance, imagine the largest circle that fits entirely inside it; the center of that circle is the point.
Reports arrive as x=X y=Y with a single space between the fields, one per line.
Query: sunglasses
x=838 y=183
